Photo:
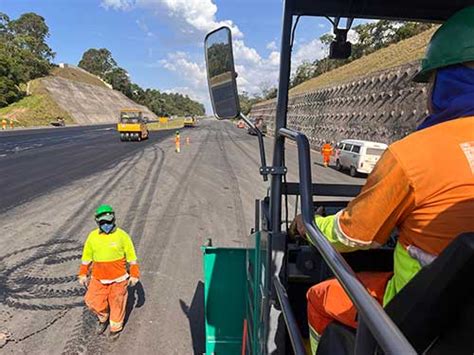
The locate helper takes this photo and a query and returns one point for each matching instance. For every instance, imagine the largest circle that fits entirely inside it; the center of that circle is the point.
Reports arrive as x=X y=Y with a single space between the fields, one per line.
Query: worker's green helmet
x=104 y=212
x=452 y=43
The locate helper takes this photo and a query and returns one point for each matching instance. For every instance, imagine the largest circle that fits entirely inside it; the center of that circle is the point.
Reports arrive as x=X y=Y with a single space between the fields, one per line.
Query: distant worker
x=326 y=152
x=177 y=142
x=109 y=249
x=430 y=204
x=4 y=124
x=11 y=123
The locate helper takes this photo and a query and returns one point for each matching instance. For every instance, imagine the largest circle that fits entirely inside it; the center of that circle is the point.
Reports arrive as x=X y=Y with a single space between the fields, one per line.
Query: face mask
x=106 y=227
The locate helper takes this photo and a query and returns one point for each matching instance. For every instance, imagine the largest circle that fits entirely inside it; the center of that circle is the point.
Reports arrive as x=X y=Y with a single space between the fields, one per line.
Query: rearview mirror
x=221 y=75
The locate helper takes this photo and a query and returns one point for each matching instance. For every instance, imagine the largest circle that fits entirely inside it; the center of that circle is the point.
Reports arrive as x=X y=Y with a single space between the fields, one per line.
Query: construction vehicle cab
x=132 y=126
x=190 y=121
x=254 y=297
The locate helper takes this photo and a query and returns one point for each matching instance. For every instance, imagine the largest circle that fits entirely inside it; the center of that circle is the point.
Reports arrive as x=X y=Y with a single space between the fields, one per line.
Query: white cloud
x=144 y=27
x=194 y=18
x=308 y=52
x=189 y=16
x=272 y=46
x=118 y=4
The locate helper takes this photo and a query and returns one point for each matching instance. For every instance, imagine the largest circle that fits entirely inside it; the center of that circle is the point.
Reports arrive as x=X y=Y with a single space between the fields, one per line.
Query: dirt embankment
x=72 y=94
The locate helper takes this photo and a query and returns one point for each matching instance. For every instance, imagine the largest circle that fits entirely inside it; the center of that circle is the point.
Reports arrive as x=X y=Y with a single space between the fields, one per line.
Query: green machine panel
x=225 y=294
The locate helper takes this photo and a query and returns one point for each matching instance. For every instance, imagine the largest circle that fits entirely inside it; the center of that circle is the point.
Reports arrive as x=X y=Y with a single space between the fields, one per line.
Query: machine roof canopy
x=408 y=10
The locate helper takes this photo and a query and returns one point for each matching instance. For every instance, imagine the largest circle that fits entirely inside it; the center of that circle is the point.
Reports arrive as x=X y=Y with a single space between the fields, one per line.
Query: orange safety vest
x=326 y=149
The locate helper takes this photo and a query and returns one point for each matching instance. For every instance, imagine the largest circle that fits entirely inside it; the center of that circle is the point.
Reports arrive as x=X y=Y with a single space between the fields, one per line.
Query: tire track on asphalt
x=83 y=338
x=168 y=218
x=65 y=231
x=240 y=146
x=235 y=190
x=135 y=222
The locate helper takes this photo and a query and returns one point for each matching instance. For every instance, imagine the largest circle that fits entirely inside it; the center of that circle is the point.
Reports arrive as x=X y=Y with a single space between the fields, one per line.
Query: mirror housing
x=221 y=75
x=340 y=48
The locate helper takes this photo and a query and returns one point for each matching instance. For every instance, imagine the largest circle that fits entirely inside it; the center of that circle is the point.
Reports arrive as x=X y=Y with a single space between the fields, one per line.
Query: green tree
x=119 y=79
x=98 y=61
x=31 y=31
x=24 y=54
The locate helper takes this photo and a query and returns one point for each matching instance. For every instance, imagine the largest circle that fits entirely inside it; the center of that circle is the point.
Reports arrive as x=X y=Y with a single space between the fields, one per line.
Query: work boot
x=113 y=336
x=101 y=327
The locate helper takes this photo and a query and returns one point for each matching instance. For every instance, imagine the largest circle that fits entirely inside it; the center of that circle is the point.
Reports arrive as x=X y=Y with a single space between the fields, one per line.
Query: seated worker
x=423 y=184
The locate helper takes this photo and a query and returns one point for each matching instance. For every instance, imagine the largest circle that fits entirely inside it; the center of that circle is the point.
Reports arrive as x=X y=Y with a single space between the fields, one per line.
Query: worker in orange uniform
x=109 y=249
x=11 y=124
x=326 y=152
x=4 y=124
x=408 y=189
x=177 y=142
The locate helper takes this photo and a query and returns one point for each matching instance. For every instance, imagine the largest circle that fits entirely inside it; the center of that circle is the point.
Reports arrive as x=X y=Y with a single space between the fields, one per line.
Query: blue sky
x=159 y=42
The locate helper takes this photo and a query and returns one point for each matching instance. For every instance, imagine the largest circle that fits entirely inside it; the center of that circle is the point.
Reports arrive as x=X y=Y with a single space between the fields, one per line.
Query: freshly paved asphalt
x=36 y=161
x=171 y=204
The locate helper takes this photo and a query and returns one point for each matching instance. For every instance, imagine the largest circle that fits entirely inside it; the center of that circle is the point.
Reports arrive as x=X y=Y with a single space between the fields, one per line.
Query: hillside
x=79 y=75
x=372 y=98
x=70 y=93
x=403 y=52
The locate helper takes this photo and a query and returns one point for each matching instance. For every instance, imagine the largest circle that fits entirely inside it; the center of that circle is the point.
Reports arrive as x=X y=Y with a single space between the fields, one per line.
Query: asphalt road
x=51 y=181
x=34 y=162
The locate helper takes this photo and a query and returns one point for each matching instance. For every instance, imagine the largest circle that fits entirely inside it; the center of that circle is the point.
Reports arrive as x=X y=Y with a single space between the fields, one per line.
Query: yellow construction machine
x=132 y=126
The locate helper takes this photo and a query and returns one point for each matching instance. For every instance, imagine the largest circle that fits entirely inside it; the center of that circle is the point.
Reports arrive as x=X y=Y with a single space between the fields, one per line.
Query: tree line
x=100 y=62
x=370 y=38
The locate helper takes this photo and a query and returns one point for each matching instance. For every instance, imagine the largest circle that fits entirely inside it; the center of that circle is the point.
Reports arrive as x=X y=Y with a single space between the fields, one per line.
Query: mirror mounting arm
x=264 y=170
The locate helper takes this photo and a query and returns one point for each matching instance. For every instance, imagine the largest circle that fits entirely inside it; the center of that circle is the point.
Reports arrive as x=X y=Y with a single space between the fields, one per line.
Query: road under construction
x=170 y=203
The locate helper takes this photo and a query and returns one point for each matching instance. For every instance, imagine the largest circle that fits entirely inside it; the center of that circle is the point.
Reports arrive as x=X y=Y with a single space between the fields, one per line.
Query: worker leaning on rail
x=423 y=184
x=108 y=249
x=326 y=152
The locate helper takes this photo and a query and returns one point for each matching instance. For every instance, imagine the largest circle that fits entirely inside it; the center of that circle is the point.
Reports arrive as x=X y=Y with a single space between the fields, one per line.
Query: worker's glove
x=83 y=280
x=132 y=281
x=297 y=228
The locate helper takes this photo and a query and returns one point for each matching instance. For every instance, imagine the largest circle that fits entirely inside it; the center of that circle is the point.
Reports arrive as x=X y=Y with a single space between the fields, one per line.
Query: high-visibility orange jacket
x=326 y=149
x=424 y=186
x=109 y=254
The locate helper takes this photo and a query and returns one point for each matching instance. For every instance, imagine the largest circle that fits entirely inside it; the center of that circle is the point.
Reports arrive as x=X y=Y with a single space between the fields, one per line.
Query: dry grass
x=397 y=54
x=37 y=109
x=177 y=123
x=34 y=110
x=77 y=75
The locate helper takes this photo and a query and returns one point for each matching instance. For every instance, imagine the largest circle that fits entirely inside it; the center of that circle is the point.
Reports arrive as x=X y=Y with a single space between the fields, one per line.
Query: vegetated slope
x=70 y=93
x=79 y=75
x=397 y=54
x=36 y=109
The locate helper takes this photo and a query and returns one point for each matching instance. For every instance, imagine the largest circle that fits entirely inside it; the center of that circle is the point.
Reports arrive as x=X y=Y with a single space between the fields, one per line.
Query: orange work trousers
x=326 y=158
x=327 y=301
x=108 y=302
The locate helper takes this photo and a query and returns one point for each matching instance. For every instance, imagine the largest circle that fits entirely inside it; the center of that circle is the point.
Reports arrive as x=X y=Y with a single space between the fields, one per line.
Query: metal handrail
x=290 y=320
x=386 y=333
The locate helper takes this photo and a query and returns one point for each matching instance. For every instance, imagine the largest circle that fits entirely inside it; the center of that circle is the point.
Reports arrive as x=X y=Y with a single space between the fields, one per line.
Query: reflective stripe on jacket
x=424 y=186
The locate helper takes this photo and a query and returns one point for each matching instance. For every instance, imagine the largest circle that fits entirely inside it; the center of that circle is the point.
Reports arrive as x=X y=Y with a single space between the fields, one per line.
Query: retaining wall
x=384 y=106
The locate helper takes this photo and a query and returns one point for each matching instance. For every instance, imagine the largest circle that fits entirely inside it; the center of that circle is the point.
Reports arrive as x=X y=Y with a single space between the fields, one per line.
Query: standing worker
x=326 y=152
x=11 y=123
x=109 y=249
x=408 y=190
x=177 y=142
x=4 y=124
